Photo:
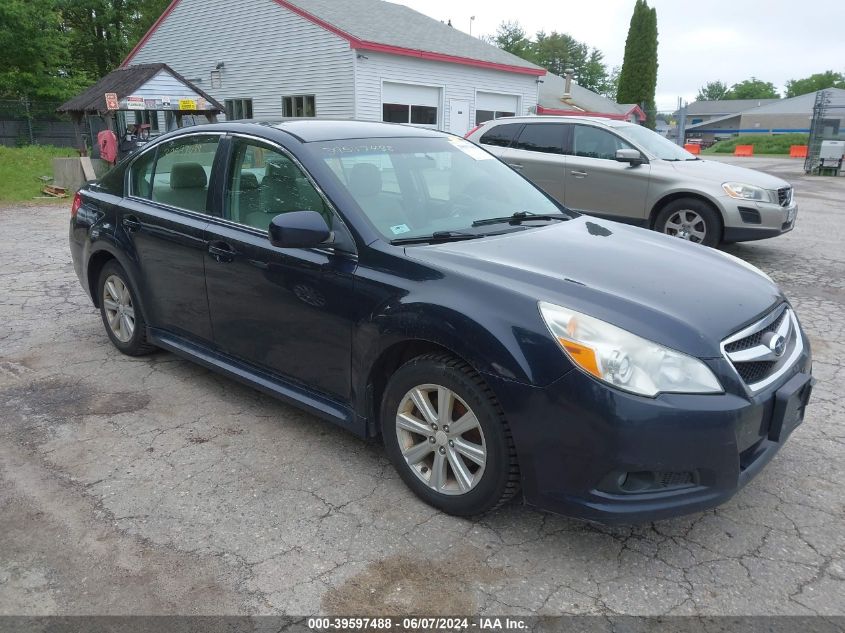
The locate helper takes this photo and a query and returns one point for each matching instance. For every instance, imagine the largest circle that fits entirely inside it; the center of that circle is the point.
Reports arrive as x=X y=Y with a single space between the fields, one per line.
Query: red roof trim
x=149 y=33
x=360 y=44
x=443 y=57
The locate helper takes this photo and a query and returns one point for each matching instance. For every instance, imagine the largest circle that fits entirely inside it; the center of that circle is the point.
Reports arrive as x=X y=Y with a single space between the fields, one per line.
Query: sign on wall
x=111 y=101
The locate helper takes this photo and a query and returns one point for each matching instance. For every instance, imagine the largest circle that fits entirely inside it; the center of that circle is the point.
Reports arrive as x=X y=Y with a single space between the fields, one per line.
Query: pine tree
x=638 y=78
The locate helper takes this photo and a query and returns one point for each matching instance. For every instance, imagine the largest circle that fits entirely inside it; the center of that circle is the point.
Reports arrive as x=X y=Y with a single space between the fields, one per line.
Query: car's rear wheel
x=447 y=436
x=121 y=312
x=690 y=219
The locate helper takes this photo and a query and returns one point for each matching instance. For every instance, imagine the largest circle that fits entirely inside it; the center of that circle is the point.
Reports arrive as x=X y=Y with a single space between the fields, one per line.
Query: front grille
x=785 y=196
x=671 y=479
x=765 y=350
x=755 y=338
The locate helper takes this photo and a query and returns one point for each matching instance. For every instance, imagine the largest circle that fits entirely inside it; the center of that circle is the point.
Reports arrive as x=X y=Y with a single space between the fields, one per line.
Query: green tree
x=559 y=52
x=511 y=37
x=593 y=75
x=638 y=77
x=752 y=89
x=34 y=60
x=817 y=81
x=712 y=91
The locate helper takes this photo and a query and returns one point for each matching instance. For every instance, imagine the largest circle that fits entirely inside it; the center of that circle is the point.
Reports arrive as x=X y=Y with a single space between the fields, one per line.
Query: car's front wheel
x=447 y=436
x=121 y=312
x=690 y=219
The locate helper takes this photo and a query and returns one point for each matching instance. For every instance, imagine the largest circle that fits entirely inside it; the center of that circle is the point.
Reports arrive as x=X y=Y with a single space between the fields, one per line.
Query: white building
x=349 y=59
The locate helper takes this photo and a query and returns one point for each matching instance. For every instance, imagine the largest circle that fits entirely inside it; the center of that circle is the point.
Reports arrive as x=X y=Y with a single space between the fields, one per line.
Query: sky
x=725 y=40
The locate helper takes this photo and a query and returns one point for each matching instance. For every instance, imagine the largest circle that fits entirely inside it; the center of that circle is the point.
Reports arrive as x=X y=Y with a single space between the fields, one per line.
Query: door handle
x=517 y=166
x=221 y=252
x=131 y=223
x=578 y=174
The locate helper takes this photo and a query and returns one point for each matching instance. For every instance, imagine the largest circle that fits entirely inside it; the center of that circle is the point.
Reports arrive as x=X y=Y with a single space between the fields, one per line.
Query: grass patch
x=20 y=168
x=763 y=144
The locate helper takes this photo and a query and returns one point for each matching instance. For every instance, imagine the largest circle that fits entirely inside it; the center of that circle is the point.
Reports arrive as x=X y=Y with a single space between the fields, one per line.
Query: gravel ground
x=154 y=486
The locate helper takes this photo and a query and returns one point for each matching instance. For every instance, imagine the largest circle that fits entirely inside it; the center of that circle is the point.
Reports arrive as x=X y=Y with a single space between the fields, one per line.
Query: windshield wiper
x=437 y=236
x=519 y=217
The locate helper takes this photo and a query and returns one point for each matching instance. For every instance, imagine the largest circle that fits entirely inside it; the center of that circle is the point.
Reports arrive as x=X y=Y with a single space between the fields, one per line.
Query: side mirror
x=299 y=229
x=631 y=156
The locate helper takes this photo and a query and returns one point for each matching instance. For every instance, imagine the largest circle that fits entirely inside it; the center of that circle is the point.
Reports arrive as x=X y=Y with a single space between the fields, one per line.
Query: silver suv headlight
x=625 y=360
x=742 y=191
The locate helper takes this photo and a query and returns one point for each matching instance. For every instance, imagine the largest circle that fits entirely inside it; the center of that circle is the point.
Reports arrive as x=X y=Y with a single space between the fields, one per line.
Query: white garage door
x=409 y=103
x=490 y=105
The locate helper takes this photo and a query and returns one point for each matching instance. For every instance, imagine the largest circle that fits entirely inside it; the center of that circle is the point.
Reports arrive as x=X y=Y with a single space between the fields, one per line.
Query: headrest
x=188 y=176
x=249 y=181
x=365 y=180
x=280 y=170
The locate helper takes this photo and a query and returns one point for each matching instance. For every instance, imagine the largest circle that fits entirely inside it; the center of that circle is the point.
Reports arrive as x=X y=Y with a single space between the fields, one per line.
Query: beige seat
x=365 y=185
x=188 y=187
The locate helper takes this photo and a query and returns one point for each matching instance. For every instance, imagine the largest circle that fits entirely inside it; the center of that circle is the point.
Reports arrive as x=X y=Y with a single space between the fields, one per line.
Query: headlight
x=625 y=360
x=746 y=192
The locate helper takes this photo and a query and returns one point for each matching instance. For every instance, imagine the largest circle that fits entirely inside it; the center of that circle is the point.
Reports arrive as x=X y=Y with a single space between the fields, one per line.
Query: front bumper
x=749 y=220
x=577 y=438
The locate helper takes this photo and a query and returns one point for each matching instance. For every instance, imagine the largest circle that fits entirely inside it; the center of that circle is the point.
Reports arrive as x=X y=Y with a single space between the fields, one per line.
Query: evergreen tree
x=638 y=78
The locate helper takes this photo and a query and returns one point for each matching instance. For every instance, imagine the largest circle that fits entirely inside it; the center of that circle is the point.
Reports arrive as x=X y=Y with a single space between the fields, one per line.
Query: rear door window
x=542 y=137
x=501 y=135
x=183 y=171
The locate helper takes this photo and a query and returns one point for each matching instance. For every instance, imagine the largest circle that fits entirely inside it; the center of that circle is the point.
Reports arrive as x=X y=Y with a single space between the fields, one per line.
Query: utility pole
x=471 y=20
x=682 y=122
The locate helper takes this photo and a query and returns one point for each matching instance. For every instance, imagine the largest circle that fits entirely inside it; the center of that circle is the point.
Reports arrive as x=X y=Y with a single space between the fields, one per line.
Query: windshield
x=415 y=187
x=655 y=144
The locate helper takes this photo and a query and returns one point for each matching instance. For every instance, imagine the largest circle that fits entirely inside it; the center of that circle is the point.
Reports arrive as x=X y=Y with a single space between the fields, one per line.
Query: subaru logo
x=777 y=344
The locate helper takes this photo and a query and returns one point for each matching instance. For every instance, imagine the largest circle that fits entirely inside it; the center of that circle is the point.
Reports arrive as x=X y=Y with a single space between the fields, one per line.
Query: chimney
x=567 y=90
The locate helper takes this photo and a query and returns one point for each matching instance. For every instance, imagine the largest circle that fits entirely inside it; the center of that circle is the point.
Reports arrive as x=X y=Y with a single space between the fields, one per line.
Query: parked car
x=403 y=283
x=625 y=172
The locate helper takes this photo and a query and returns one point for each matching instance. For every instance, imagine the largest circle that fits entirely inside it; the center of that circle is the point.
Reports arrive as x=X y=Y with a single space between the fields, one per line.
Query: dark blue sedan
x=406 y=284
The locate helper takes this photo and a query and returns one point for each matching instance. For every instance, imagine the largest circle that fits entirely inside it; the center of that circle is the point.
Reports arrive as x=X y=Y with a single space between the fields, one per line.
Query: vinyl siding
x=268 y=51
x=457 y=82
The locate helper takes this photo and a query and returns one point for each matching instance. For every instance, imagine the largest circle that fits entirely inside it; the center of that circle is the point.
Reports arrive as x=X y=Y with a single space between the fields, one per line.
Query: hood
x=683 y=295
x=722 y=172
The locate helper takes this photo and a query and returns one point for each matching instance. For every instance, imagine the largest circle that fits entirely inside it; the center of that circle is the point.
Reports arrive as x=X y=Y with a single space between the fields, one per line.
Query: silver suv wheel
x=687 y=225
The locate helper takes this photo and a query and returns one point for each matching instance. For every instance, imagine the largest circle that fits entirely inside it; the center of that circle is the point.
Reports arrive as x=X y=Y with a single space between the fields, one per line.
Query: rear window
x=542 y=137
x=501 y=135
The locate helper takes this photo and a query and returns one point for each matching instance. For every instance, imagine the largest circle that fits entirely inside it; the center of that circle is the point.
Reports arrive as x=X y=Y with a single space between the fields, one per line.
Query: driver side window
x=593 y=142
x=264 y=183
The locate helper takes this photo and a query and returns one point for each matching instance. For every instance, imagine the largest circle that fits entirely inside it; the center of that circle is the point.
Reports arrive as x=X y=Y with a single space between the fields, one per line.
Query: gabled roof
x=725 y=106
x=124 y=81
x=802 y=104
x=377 y=25
x=580 y=101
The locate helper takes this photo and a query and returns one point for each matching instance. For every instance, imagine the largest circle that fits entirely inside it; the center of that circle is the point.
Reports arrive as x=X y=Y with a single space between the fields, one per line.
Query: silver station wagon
x=625 y=172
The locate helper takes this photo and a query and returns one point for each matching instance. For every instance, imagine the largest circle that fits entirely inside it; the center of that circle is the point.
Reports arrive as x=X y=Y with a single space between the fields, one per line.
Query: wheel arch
x=680 y=195
x=95 y=265
x=385 y=365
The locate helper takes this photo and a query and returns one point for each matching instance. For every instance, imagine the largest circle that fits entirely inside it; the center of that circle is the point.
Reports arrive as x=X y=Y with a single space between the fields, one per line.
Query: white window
x=410 y=103
x=298 y=106
x=490 y=105
x=238 y=109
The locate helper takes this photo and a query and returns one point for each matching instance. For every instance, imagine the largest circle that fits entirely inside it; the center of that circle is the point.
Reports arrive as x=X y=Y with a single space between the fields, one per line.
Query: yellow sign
x=187 y=104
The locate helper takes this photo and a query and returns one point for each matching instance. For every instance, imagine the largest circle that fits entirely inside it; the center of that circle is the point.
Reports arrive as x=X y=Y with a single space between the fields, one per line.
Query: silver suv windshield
x=654 y=144
x=415 y=187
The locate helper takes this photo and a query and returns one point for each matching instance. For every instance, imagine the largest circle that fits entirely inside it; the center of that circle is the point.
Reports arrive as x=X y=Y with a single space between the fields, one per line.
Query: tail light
x=77 y=202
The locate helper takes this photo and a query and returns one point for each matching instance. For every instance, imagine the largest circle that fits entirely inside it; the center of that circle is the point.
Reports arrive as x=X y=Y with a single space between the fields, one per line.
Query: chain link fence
x=25 y=122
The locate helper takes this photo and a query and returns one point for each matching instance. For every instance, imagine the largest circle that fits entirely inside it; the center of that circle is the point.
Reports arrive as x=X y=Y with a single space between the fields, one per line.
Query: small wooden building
x=138 y=102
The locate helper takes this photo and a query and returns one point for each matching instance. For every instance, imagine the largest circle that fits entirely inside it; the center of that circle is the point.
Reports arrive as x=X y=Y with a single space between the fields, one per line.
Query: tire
x=121 y=312
x=473 y=482
x=688 y=218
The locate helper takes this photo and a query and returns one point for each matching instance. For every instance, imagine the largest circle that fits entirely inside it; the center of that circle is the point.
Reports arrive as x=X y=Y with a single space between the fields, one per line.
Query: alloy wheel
x=441 y=439
x=687 y=225
x=120 y=313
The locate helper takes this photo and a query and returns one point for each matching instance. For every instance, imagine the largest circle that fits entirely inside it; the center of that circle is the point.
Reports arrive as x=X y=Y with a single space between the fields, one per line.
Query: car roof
x=318 y=130
x=562 y=119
